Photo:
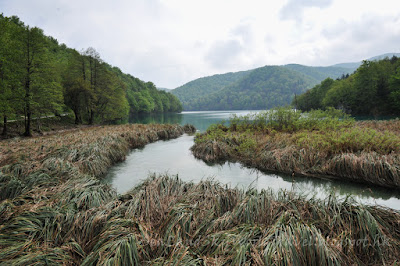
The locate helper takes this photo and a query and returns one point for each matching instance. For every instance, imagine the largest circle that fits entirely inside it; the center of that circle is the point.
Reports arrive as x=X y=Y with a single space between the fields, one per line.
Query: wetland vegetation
x=55 y=210
x=325 y=143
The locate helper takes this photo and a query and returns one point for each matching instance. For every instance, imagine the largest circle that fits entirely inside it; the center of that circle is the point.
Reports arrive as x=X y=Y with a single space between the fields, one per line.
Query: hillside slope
x=204 y=86
x=259 y=88
x=262 y=88
x=320 y=73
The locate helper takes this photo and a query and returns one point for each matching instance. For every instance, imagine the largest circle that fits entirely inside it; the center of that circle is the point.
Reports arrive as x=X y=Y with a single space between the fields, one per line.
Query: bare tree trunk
x=27 y=88
x=28 y=131
x=39 y=124
x=78 y=117
x=91 y=117
x=28 y=117
x=4 y=133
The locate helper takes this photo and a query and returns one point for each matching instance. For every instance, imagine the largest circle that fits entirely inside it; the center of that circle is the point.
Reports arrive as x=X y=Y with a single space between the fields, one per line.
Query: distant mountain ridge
x=357 y=64
x=260 y=88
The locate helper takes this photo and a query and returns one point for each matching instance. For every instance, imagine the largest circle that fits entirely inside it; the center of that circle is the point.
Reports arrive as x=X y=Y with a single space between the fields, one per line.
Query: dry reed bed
x=166 y=221
x=28 y=162
x=33 y=149
x=54 y=211
x=366 y=152
x=49 y=184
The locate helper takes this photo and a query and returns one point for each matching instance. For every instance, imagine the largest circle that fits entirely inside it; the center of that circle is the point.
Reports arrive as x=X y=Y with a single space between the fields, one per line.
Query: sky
x=171 y=42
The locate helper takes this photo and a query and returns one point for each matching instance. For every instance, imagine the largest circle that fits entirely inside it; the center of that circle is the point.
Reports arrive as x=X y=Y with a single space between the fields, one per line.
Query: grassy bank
x=316 y=143
x=54 y=210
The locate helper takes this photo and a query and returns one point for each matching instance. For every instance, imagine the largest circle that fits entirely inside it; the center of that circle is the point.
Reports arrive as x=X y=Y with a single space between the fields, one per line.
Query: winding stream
x=174 y=157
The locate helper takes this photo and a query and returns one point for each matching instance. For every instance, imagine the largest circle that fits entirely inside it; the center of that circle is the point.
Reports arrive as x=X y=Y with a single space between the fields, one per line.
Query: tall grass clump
x=314 y=143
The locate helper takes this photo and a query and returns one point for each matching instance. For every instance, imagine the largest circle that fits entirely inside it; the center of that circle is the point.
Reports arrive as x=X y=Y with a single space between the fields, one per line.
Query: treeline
x=39 y=76
x=373 y=89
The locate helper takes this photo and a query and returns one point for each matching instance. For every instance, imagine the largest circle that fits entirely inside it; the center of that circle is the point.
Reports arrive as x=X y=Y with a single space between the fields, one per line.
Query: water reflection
x=158 y=118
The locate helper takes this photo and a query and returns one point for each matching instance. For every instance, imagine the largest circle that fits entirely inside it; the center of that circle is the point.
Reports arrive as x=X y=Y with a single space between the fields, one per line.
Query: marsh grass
x=54 y=210
x=318 y=143
x=53 y=207
x=167 y=221
x=26 y=163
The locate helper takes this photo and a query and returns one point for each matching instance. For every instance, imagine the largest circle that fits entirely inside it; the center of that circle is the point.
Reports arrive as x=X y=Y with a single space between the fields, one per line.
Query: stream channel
x=174 y=157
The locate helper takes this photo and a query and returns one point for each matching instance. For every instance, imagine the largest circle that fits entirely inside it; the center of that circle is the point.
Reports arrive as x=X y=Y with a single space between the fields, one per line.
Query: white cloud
x=224 y=54
x=171 y=42
x=294 y=8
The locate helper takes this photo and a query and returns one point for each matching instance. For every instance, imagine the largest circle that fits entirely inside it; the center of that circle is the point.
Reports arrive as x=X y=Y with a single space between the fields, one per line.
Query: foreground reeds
x=167 y=221
x=54 y=210
x=318 y=143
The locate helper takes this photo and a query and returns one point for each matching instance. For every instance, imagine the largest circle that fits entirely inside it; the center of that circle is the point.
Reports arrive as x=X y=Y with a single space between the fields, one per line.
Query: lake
x=173 y=157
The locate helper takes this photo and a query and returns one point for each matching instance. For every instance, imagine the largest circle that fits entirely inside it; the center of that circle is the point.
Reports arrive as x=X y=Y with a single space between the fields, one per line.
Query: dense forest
x=39 y=76
x=263 y=88
x=373 y=89
x=195 y=90
x=260 y=88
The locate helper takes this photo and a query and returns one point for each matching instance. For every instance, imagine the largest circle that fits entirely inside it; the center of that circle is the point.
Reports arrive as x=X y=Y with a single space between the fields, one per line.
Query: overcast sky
x=171 y=42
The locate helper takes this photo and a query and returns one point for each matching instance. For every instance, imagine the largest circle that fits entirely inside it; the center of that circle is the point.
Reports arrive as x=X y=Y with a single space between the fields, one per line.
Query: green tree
x=373 y=89
x=38 y=76
x=394 y=89
x=105 y=95
x=341 y=95
x=6 y=73
x=76 y=87
x=34 y=71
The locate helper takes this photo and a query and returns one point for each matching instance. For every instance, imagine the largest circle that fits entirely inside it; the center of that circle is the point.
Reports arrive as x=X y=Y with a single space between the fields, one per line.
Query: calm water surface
x=173 y=157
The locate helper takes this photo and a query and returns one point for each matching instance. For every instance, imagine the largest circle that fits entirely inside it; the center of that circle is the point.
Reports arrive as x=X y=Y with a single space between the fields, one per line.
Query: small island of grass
x=317 y=143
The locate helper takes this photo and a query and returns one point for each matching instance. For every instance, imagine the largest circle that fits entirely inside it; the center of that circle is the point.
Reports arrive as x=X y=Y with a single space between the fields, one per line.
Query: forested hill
x=259 y=88
x=189 y=93
x=39 y=76
x=321 y=73
x=374 y=89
